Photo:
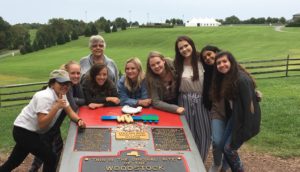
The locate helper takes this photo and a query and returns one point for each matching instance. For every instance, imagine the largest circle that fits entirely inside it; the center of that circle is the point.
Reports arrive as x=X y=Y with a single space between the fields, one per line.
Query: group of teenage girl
x=215 y=94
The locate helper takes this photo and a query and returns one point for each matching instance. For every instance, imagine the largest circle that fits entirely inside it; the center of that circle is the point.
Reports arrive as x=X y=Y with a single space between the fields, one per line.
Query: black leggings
x=29 y=142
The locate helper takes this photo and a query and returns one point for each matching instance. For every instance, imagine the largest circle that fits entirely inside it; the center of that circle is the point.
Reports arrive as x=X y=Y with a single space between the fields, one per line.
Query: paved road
x=9 y=53
x=279 y=28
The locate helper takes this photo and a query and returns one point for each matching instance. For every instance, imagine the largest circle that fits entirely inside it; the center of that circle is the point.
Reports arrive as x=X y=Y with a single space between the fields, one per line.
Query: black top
x=246 y=112
x=97 y=94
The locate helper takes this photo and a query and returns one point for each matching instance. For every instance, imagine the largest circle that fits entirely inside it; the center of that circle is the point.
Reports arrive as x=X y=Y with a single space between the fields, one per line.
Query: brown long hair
x=178 y=62
x=150 y=75
x=225 y=85
x=94 y=71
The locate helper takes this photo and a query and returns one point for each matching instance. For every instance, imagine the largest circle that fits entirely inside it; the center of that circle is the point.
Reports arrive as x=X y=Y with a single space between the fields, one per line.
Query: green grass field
x=255 y=42
x=280 y=106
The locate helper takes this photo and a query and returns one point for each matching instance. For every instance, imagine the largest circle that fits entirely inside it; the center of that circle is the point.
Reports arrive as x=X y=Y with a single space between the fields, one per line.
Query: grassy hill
x=245 y=42
x=280 y=106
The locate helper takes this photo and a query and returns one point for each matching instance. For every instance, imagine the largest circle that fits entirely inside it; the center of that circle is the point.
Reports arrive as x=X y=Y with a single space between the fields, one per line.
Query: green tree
x=78 y=26
x=26 y=46
x=18 y=36
x=121 y=23
x=74 y=35
x=94 y=30
x=87 y=31
x=4 y=37
x=60 y=39
x=46 y=37
x=100 y=23
x=35 y=46
x=60 y=27
x=282 y=20
x=107 y=28
x=67 y=37
x=114 y=28
x=232 y=20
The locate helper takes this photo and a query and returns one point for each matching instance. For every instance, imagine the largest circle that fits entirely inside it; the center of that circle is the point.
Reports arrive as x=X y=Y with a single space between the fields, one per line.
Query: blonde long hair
x=129 y=84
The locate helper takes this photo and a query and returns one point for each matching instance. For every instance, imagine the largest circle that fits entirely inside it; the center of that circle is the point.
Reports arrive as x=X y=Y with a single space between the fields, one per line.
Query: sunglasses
x=64 y=83
x=98 y=45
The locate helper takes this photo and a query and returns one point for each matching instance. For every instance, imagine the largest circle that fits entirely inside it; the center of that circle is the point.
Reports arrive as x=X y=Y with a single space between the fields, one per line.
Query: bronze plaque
x=170 y=139
x=132 y=136
x=134 y=160
x=93 y=139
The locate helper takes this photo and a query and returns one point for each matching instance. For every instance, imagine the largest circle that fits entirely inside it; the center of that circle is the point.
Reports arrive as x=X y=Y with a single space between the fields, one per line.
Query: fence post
x=287 y=66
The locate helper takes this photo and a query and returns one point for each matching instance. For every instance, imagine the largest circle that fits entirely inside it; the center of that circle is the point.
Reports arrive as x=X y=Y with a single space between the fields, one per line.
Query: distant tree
x=60 y=39
x=74 y=35
x=35 y=46
x=123 y=26
x=40 y=43
x=67 y=37
x=78 y=26
x=269 y=20
x=232 y=20
x=174 y=21
x=46 y=37
x=18 y=35
x=3 y=40
x=260 y=20
x=94 y=30
x=61 y=30
x=220 y=20
x=121 y=23
x=4 y=28
x=100 y=23
x=179 y=22
x=87 y=31
x=282 y=20
x=135 y=24
x=114 y=28
x=107 y=28
x=26 y=46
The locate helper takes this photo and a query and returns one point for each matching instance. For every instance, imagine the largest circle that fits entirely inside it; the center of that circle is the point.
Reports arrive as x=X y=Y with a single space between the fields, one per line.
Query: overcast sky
x=40 y=11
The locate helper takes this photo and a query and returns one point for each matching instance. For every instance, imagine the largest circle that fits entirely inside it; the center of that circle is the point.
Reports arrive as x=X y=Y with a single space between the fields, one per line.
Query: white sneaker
x=213 y=168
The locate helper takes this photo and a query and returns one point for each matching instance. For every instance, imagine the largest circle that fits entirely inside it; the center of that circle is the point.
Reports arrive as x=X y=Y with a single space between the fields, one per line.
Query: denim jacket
x=131 y=98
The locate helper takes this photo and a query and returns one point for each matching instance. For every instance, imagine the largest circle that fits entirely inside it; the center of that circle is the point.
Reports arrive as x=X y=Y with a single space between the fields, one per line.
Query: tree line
x=57 y=31
x=261 y=20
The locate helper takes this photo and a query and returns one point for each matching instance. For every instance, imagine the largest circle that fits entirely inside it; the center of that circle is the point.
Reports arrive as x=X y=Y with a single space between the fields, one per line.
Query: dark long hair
x=178 y=62
x=94 y=71
x=49 y=84
x=208 y=48
x=208 y=74
x=225 y=85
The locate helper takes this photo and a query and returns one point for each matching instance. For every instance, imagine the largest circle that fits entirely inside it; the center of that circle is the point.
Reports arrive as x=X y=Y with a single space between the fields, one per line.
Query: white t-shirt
x=41 y=102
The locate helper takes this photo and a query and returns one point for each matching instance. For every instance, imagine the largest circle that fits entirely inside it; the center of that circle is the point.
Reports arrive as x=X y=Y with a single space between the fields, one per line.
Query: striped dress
x=196 y=114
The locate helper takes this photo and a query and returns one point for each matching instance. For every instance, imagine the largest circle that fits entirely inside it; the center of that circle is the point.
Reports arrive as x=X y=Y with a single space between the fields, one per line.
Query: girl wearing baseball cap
x=37 y=118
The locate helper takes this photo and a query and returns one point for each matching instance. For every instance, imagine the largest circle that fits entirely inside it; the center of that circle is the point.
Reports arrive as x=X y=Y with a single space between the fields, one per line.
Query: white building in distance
x=202 y=22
